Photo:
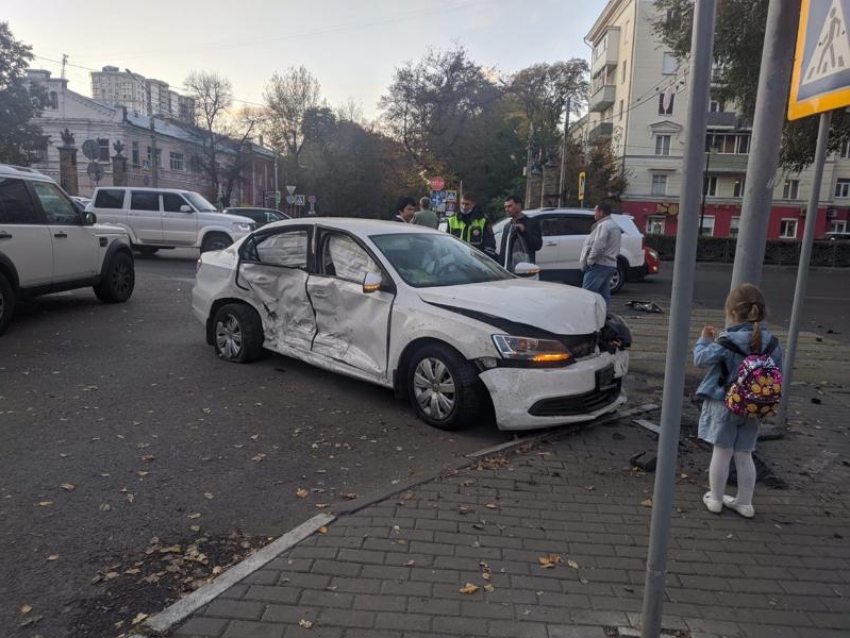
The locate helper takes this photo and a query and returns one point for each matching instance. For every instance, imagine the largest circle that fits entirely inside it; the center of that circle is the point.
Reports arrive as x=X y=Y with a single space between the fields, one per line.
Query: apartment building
x=638 y=102
x=114 y=86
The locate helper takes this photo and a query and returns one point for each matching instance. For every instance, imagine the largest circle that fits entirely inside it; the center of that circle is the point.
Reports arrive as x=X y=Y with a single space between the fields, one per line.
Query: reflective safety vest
x=472 y=233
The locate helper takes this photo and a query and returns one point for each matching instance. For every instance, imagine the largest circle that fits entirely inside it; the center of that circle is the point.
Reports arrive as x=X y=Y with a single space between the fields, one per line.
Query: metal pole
x=803 y=268
x=704 y=190
x=154 y=159
x=702 y=42
x=528 y=165
x=774 y=80
x=564 y=154
x=276 y=203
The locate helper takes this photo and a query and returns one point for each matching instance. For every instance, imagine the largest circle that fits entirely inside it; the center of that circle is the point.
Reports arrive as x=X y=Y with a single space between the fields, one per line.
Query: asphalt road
x=151 y=434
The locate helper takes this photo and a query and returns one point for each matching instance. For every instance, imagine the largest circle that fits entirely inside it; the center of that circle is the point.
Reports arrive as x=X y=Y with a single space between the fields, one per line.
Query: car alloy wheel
x=228 y=337
x=218 y=244
x=120 y=278
x=434 y=388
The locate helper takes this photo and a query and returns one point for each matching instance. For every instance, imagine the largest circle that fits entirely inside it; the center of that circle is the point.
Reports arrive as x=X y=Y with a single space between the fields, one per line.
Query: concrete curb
x=180 y=610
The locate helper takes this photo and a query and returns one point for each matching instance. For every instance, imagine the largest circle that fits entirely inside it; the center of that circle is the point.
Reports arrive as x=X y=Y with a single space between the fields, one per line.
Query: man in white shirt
x=599 y=254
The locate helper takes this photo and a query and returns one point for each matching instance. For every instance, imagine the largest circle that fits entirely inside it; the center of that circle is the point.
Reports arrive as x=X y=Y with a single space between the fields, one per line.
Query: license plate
x=605 y=378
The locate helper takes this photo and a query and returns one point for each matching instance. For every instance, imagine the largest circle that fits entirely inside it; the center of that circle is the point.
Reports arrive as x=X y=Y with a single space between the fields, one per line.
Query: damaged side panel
x=286 y=312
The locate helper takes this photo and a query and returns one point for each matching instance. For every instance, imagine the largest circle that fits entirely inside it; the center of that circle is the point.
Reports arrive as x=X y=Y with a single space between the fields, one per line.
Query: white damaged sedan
x=418 y=311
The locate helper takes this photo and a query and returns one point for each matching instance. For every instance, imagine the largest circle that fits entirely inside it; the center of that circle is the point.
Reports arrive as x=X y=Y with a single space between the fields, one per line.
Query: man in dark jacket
x=472 y=226
x=405 y=210
x=526 y=227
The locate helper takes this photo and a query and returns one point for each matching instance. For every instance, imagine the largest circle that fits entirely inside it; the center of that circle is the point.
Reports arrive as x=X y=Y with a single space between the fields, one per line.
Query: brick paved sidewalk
x=395 y=569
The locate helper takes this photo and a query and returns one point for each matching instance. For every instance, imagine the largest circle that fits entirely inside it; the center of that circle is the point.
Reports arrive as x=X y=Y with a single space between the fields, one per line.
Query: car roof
x=23 y=172
x=534 y=212
x=147 y=188
x=357 y=225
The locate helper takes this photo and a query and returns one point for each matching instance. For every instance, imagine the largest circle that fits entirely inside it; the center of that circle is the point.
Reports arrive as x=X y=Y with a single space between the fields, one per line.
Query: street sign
x=95 y=171
x=290 y=199
x=290 y=190
x=299 y=200
x=821 y=78
x=582 y=178
x=277 y=197
x=91 y=149
x=311 y=199
x=437 y=183
x=450 y=207
x=451 y=196
x=438 y=201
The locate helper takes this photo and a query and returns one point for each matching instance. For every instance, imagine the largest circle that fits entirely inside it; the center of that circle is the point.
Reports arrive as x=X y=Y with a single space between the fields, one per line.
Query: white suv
x=167 y=218
x=47 y=245
x=564 y=231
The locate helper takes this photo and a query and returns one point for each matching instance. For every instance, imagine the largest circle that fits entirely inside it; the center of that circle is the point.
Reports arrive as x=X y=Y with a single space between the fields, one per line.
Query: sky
x=352 y=47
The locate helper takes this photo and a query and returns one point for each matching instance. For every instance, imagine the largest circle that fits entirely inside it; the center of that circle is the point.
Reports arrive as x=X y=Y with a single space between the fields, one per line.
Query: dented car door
x=274 y=268
x=352 y=326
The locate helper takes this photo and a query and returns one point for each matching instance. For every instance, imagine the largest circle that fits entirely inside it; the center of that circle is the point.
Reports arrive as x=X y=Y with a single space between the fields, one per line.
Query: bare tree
x=213 y=95
x=289 y=96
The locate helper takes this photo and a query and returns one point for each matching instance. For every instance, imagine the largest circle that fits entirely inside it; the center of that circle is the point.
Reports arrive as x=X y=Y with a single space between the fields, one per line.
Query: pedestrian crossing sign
x=821 y=76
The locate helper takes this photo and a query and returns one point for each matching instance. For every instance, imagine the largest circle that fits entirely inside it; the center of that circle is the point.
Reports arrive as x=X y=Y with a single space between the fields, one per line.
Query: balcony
x=606 y=52
x=727 y=163
x=602 y=99
x=722 y=119
x=600 y=131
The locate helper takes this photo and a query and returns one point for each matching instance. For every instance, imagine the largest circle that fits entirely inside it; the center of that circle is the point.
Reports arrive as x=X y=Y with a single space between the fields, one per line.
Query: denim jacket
x=709 y=354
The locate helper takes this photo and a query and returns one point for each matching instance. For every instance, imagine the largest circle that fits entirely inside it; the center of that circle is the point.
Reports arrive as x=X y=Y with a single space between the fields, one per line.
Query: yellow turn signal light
x=551 y=357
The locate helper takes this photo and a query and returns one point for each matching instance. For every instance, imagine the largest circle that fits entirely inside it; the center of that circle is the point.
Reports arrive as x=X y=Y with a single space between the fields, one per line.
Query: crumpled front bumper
x=526 y=399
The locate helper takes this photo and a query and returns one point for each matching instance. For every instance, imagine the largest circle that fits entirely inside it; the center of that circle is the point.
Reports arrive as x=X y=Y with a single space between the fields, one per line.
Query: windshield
x=200 y=203
x=426 y=260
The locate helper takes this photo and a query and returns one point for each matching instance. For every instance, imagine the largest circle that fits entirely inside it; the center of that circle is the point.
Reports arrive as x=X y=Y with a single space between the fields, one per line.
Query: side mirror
x=185 y=208
x=90 y=219
x=372 y=282
x=525 y=269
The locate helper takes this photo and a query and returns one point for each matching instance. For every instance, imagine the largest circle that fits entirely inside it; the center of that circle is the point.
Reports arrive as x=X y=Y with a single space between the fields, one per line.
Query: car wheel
x=237 y=333
x=147 y=250
x=7 y=302
x=215 y=241
x=443 y=387
x=619 y=278
x=119 y=281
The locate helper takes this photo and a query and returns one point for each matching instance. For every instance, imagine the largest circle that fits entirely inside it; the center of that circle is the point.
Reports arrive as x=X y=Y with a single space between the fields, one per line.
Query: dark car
x=261 y=216
x=836 y=236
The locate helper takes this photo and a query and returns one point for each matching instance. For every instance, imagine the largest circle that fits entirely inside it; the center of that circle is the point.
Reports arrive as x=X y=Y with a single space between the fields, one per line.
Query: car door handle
x=5 y=235
x=60 y=234
x=551 y=243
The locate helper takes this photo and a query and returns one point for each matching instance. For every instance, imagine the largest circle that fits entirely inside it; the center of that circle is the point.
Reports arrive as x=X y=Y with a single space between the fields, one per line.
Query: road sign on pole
x=290 y=190
x=821 y=75
x=290 y=199
x=277 y=197
x=299 y=200
x=582 y=180
x=437 y=183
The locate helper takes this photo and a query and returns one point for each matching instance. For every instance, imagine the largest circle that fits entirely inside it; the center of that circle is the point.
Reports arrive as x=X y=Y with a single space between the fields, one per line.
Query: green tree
x=20 y=102
x=605 y=180
x=738 y=42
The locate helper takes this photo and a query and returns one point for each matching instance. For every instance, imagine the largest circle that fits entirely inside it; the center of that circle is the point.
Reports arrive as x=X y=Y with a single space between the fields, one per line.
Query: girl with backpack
x=742 y=387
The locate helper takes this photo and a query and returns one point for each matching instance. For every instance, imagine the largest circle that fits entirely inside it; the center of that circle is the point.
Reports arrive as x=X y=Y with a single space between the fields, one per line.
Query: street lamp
x=154 y=161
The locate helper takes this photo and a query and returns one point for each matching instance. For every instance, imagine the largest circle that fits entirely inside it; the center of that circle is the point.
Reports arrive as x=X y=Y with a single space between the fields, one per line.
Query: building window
x=716 y=107
x=788 y=229
x=654 y=225
x=707 y=226
x=734 y=224
x=41 y=149
x=54 y=100
x=669 y=64
x=743 y=144
x=838 y=226
x=791 y=189
x=103 y=150
x=662 y=145
x=158 y=157
x=176 y=161
x=845 y=148
x=669 y=109
x=842 y=188
x=738 y=187
x=709 y=186
x=135 y=154
x=625 y=66
x=195 y=165
x=659 y=185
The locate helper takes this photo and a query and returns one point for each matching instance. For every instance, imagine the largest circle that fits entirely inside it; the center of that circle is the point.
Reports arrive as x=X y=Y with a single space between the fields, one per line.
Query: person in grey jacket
x=425 y=216
x=599 y=254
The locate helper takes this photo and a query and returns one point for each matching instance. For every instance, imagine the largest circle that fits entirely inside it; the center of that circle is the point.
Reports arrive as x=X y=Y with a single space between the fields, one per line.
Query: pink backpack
x=756 y=390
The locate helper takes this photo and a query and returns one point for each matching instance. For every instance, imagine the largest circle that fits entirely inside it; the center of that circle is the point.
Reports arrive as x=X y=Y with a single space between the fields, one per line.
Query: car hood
x=556 y=308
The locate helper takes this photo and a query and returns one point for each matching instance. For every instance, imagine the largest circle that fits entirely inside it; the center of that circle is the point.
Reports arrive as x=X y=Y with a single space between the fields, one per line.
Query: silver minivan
x=158 y=218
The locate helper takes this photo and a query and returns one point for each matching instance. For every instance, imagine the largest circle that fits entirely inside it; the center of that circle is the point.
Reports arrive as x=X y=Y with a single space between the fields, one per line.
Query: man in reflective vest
x=472 y=226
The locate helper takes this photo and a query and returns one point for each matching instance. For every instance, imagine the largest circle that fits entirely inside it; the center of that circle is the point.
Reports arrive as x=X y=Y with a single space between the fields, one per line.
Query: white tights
x=718 y=474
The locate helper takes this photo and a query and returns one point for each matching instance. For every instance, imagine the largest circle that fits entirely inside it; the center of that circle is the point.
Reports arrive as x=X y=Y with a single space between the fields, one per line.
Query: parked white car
x=564 y=231
x=419 y=311
x=158 y=218
x=48 y=245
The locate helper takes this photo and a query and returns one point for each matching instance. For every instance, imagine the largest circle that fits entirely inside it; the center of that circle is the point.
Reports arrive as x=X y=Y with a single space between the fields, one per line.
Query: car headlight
x=532 y=351
x=243 y=227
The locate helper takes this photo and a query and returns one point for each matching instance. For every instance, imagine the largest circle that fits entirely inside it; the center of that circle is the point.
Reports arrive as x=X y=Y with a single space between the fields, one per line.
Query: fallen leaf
x=647 y=502
x=306 y=624
x=254 y=437
x=490 y=506
x=105 y=507
x=111 y=575
x=349 y=496
x=208 y=495
x=195 y=528
x=549 y=561
x=53 y=557
x=45 y=503
x=572 y=564
x=321 y=506
x=139 y=618
x=173 y=549
x=323 y=530
x=301 y=493
x=147 y=458
x=584 y=581
x=469 y=589
x=67 y=486
x=132 y=571
x=207 y=411
x=25 y=609
x=131 y=497
x=489 y=588
x=194 y=515
x=259 y=457
x=142 y=473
